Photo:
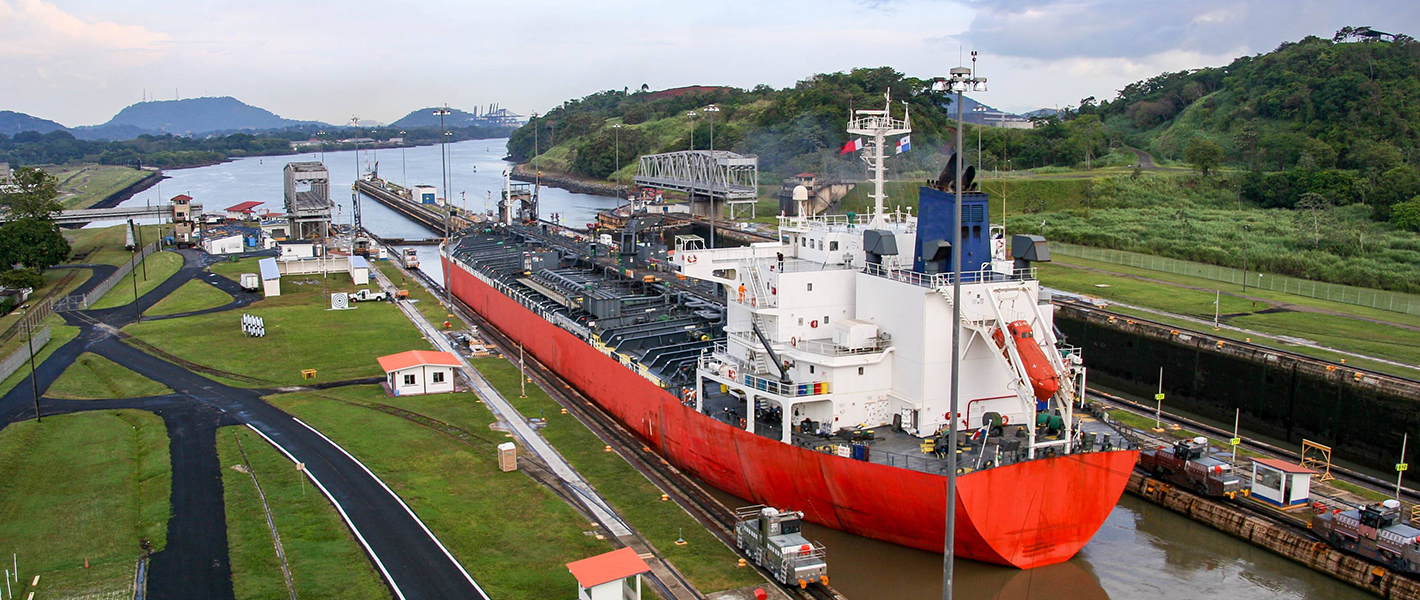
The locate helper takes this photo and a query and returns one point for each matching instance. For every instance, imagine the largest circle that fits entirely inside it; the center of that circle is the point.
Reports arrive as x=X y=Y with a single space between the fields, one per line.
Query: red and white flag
x=852 y=146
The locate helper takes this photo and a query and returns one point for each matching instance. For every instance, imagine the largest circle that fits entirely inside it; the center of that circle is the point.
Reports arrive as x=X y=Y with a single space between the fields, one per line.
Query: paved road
x=195 y=562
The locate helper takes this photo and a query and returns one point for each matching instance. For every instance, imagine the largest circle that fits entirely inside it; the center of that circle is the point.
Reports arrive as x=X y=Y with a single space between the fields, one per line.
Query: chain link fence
x=1383 y=300
x=77 y=302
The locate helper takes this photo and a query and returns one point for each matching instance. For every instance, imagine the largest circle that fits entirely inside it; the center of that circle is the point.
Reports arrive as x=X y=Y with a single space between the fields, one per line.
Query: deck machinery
x=772 y=539
x=648 y=326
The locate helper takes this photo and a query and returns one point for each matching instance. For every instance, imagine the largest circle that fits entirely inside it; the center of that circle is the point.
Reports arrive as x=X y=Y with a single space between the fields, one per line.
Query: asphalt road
x=195 y=563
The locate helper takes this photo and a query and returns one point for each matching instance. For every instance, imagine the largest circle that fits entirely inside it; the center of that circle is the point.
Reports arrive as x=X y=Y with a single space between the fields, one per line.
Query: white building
x=297 y=250
x=419 y=372
x=359 y=270
x=615 y=575
x=1280 y=483
x=270 y=277
x=231 y=244
x=424 y=194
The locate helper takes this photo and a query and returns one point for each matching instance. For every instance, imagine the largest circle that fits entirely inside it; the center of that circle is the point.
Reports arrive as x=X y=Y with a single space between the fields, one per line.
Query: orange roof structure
x=607 y=567
x=417 y=358
x=244 y=206
x=1283 y=466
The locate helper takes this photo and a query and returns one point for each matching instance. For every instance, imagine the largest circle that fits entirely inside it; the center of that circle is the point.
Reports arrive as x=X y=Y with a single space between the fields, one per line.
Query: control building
x=308 y=204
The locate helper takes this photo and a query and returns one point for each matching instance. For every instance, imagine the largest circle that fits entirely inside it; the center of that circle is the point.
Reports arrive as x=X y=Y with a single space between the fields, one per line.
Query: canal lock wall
x=1361 y=414
x=1277 y=538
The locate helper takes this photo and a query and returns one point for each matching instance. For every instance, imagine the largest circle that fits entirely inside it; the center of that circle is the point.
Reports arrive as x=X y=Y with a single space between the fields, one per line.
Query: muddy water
x=1143 y=552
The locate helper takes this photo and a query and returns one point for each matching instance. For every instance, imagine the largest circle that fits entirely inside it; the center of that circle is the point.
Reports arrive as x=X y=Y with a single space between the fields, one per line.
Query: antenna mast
x=878 y=125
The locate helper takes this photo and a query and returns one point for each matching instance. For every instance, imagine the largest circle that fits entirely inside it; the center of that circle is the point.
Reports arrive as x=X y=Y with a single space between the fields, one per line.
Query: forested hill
x=1351 y=102
x=792 y=129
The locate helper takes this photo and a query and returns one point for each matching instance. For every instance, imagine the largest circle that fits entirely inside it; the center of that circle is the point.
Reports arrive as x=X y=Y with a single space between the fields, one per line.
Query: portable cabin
x=419 y=372
x=615 y=575
x=1281 y=483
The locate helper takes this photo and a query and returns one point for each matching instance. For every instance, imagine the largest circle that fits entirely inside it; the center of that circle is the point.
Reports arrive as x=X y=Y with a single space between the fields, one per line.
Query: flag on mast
x=904 y=144
x=852 y=146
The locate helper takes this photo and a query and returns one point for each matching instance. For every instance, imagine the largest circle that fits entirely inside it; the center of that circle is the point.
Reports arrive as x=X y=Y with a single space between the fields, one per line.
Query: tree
x=1406 y=215
x=21 y=279
x=1318 y=205
x=34 y=195
x=32 y=244
x=1204 y=154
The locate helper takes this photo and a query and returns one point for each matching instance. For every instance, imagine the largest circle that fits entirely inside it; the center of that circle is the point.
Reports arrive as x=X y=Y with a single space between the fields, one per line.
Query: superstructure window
x=811 y=287
x=860 y=370
x=833 y=246
x=803 y=242
x=811 y=368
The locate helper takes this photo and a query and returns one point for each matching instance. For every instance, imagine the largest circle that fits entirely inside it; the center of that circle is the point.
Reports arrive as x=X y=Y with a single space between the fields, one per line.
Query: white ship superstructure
x=833 y=328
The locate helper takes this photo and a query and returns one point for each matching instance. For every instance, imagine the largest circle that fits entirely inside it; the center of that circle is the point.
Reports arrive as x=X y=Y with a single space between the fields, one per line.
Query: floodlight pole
x=448 y=202
x=715 y=169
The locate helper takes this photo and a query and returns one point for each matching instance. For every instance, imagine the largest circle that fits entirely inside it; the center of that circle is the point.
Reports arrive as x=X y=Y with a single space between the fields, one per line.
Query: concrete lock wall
x=1284 y=396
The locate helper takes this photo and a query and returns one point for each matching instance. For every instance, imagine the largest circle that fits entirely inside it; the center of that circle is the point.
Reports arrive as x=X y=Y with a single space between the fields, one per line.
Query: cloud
x=43 y=31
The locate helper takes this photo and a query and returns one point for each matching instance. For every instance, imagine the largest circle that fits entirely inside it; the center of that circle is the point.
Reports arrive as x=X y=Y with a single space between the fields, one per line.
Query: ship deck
x=887 y=446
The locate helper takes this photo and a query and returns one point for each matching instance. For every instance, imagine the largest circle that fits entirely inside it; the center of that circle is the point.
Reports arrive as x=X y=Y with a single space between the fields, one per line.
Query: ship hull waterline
x=1025 y=515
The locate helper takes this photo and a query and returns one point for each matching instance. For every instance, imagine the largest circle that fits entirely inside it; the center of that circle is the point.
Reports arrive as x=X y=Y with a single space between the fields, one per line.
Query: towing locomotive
x=772 y=539
x=1188 y=464
x=1374 y=531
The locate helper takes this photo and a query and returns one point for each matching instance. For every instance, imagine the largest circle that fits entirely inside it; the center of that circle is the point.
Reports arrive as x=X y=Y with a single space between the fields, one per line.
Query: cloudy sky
x=80 y=61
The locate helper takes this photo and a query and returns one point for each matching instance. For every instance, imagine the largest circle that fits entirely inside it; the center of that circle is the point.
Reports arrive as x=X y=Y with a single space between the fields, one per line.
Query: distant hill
x=425 y=117
x=12 y=122
x=191 y=116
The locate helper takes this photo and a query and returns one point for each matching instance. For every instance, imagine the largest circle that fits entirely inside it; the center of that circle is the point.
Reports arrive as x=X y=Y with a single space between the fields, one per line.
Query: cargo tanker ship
x=812 y=373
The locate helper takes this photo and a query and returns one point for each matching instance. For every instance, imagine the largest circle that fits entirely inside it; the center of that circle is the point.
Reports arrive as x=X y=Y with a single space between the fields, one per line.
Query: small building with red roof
x=419 y=372
x=1280 y=483
x=243 y=211
x=611 y=576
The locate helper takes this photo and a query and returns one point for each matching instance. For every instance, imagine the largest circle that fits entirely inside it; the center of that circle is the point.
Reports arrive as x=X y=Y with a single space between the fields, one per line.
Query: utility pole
x=448 y=202
x=616 y=133
x=522 y=374
x=1246 y=229
x=142 y=256
x=710 y=114
x=533 y=122
x=1400 y=467
x=403 y=164
x=1159 y=403
x=34 y=377
x=1237 y=417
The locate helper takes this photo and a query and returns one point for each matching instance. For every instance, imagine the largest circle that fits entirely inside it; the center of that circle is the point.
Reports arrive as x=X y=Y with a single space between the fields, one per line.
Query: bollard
x=741 y=564
x=665 y=497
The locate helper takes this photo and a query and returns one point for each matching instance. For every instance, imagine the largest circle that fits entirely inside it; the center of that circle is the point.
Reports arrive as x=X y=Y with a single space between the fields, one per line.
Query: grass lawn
x=1335 y=331
x=161 y=266
x=59 y=335
x=706 y=561
x=88 y=485
x=325 y=560
x=233 y=269
x=82 y=186
x=513 y=535
x=427 y=303
x=300 y=334
x=104 y=246
x=193 y=295
x=95 y=377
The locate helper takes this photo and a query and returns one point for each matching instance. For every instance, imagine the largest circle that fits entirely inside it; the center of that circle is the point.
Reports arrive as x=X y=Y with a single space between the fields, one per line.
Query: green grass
x=324 y=558
x=427 y=304
x=706 y=561
x=300 y=334
x=94 y=377
x=1349 y=333
x=161 y=266
x=59 y=335
x=193 y=295
x=82 y=186
x=104 y=246
x=513 y=535
x=84 y=486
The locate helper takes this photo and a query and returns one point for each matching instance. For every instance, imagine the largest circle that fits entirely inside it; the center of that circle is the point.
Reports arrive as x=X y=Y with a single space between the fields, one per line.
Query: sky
x=78 y=62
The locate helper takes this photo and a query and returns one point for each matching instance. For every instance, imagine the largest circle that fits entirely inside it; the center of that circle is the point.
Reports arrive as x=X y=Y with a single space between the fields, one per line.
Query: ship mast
x=878 y=125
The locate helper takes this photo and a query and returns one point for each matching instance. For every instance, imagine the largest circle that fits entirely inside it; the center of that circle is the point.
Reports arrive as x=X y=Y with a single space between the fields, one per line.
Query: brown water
x=1143 y=552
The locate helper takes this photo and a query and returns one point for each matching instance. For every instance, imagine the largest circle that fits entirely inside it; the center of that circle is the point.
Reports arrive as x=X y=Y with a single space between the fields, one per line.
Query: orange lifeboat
x=1039 y=371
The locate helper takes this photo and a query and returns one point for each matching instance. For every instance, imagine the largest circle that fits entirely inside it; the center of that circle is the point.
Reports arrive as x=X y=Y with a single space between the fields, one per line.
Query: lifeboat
x=1041 y=374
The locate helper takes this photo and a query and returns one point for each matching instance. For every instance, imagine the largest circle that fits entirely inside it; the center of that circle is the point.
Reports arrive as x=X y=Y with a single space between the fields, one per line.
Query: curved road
x=195 y=563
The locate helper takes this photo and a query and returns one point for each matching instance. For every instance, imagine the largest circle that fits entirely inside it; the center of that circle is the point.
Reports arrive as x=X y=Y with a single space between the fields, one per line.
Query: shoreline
x=521 y=172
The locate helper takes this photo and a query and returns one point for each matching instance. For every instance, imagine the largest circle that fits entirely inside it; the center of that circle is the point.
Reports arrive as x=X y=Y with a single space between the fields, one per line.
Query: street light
x=616 y=133
x=692 y=115
x=403 y=165
x=533 y=122
x=960 y=79
x=444 y=164
x=710 y=115
x=979 y=108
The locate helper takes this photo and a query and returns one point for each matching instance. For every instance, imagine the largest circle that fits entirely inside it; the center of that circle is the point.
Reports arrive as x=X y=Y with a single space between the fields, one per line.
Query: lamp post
x=692 y=115
x=355 y=122
x=375 y=149
x=960 y=79
x=444 y=164
x=320 y=137
x=979 y=109
x=533 y=122
x=1246 y=229
x=616 y=133
x=403 y=165
x=710 y=114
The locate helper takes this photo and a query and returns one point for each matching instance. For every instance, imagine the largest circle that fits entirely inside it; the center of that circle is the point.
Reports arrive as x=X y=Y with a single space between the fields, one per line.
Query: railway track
x=717 y=518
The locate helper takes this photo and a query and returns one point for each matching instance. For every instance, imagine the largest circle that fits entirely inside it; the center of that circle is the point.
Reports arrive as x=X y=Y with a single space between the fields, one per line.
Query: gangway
x=717 y=174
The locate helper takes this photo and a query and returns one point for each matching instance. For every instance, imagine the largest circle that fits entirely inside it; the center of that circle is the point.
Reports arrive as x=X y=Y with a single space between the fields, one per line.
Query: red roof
x=607 y=567
x=182 y=198
x=244 y=207
x=416 y=358
x=1282 y=465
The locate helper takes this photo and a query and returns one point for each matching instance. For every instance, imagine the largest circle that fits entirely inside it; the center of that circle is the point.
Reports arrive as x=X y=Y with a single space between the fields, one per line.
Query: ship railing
x=816 y=552
x=937 y=280
x=820 y=347
x=722 y=364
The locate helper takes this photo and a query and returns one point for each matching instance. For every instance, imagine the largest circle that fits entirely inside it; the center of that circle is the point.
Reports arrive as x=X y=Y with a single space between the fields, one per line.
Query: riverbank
x=522 y=172
x=133 y=189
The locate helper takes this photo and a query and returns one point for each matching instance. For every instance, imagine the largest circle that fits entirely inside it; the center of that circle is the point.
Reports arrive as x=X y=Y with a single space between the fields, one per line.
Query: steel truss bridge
x=718 y=174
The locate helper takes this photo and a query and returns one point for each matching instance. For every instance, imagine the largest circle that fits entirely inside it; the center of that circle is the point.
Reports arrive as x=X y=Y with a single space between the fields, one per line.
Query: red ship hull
x=1025 y=515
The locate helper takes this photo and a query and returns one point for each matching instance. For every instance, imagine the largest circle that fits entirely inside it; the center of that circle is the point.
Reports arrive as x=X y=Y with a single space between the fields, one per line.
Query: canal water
x=475 y=173
x=1143 y=552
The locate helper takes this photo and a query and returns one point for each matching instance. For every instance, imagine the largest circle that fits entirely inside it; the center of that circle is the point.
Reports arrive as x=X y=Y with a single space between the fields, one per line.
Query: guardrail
x=1383 y=300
